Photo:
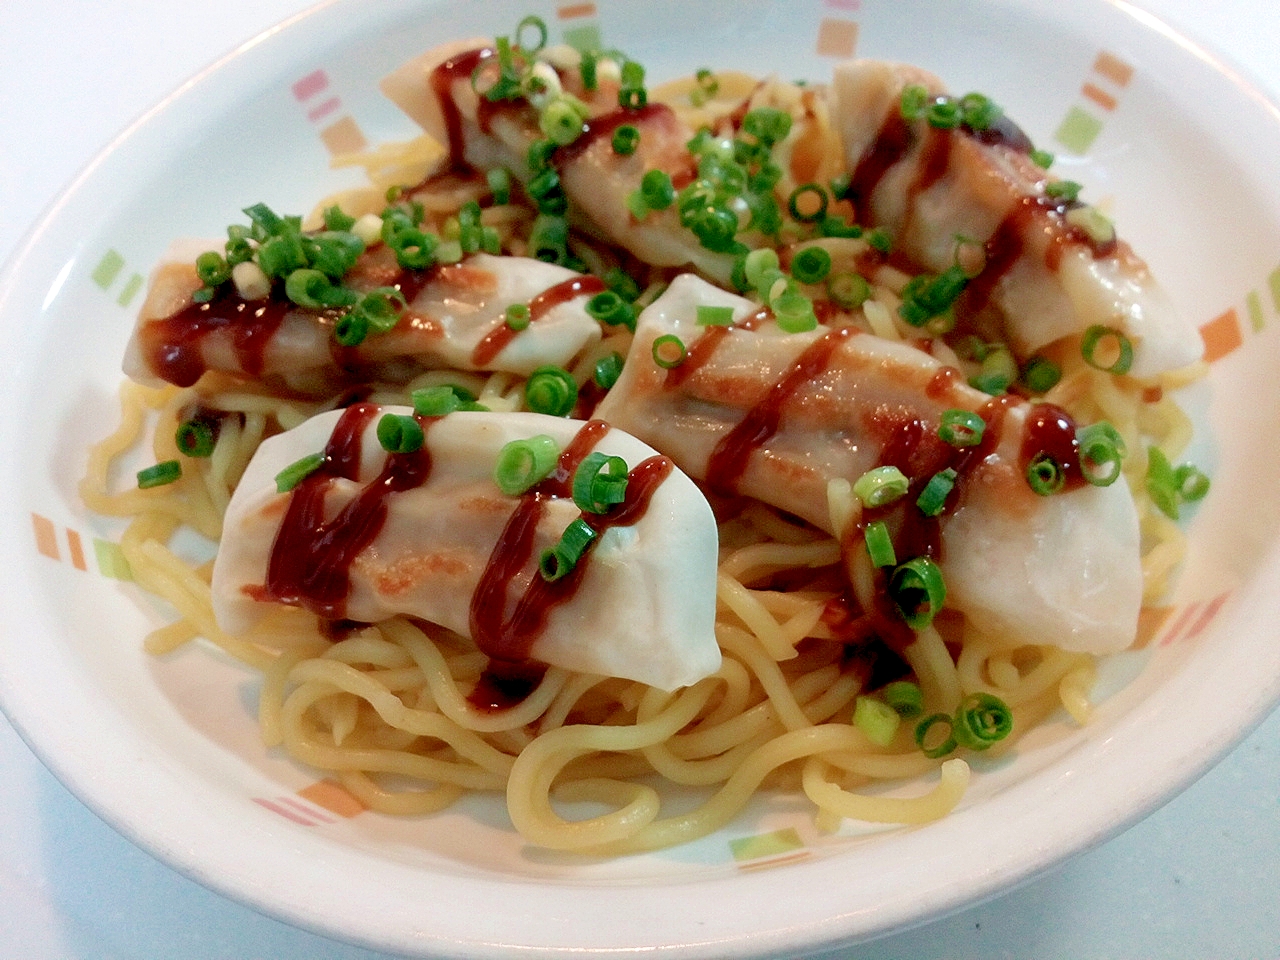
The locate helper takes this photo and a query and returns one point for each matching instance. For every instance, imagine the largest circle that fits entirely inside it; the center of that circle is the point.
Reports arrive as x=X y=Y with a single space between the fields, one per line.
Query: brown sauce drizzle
x=506 y=632
x=497 y=339
x=896 y=139
x=311 y=559
x=1050 y=430
x=891 y=144
x=443 y=78
x=503 y=685
x=702 y=349
x=729 y=458
x=174 y=347
x=603 y=127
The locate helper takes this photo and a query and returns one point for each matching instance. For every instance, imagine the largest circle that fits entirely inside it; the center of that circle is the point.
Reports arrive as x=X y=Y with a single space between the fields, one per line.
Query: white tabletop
x=1199 y=878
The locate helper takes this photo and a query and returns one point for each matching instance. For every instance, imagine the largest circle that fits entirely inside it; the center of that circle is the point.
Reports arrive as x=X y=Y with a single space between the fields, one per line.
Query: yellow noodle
x=881 y=809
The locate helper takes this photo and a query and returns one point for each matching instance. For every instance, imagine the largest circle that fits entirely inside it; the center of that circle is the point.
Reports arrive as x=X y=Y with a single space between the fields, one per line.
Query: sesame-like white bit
x=542 y=85
x=251 y=283
x=368 y=228
x=561 y=56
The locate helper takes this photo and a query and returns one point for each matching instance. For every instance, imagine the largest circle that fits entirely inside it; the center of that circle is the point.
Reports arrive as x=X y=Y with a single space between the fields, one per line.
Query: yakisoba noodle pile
x=411 y=716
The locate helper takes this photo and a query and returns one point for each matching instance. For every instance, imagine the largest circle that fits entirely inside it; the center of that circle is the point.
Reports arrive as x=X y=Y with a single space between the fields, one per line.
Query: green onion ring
x=669 y=351
x=880 y=486
x=918 y=590
x=981 y=720
x=523 y=463
x=961 y=428
x=551 y=390
x=922 y=732
x=1099 y=334
x=599 y=483
x=400 y=433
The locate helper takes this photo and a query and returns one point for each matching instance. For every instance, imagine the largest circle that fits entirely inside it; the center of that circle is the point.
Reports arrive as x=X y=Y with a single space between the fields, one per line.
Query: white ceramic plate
x=166 y=750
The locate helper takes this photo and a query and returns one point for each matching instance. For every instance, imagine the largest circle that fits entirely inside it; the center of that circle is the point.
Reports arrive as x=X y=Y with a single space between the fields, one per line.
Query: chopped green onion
x=609 y=308
x=350 y=329
x=997 y=371
x=600 y=483
x=1191 y=483
x=517 y=316
x=299 y=470
x=918 y=590
x=881 y=486
x=335 y=219
x=943 y=113
x=280 y=255
x=632 y=98
x=669 y=351
x=933 y=498
x=1101 y=451
x=978 y=112
x=905 y=697
x=914 y=102
x=1045 y=475
x=839 y=227
x=793 y=311
x=538 y=156
x=656 y=188
x=212 y=269
x=621 y=283
x=195 y=437
x=564 y=556
x=607 y=370
x=876 y=719
x=522 y=463
x=1160 y=483
x=561 y=121
x=1102 y=343
x=798 y=197
x=811 y=265
x=961 y=428
x=1041 y=158
x=587 y=69
x=926 y=296
x=435 y=401
x=537 y=24
x=551 y=390
x=880 y=545
x=940 y=748
x=709 y=316
x=499 y=180
x=879 y=240
x=549 y=239
x=400 y=433
x=981 y=720
x=1041 y=374
x=625 y=139
x=1169 y=487
x=758 y=265
x=165 y=472
x=1065 y=190
x=767 y=124
x=333 y=252
x=547 y=193
x=313 y=290
x=848 y=290
x=381 y=309
x=414 y=248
